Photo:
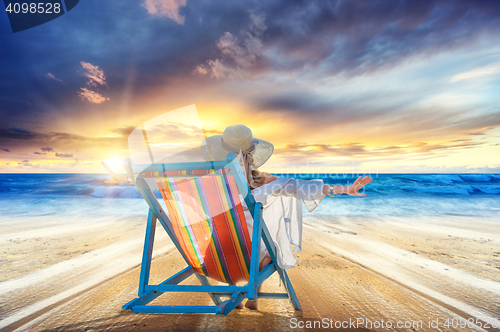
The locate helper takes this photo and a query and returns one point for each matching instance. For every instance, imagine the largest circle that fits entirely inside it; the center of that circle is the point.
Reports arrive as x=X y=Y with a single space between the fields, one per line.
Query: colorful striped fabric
x=197 y=172
x=209 y=222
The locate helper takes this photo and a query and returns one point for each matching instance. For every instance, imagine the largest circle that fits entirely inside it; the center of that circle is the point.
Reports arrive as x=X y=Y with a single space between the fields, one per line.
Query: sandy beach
x=419 y=272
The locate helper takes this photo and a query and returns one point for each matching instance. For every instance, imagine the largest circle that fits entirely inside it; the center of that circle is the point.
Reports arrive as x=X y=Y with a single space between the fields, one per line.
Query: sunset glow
x=333 y=85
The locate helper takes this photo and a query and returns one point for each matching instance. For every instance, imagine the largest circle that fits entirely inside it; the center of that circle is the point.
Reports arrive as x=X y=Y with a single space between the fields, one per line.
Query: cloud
x=210 y=132
x=167 y=8
x=201 y=69
x=19 y=130
x=59 y=138
x=25 y=163
x=348 y=149
x=238 y=54
x=404 y=114
x=355 y=150
x=91 y=96
x=477 y=73
x=219 y=69
x=352 y=38
x=123 y=131
x=6 y=150
x=94 y=74
x=296 y=102
x=36 y=152
x=96 y=79
x=64 y=155
x=51 y=76
x=172 y=132
x=423 y=147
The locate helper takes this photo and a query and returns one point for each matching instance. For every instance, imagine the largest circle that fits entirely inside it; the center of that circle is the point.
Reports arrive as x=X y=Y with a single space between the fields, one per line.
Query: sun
x=115 y=165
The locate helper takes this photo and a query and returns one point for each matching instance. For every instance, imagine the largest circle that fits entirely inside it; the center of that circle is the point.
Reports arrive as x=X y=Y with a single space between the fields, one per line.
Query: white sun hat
x=238 y=138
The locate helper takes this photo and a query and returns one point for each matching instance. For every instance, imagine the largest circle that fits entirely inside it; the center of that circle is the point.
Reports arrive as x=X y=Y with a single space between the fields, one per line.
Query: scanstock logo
x=26 y=14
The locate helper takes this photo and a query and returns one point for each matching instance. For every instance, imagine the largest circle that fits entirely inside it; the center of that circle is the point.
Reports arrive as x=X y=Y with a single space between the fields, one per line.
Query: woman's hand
x=358 y=184
x=349 y=190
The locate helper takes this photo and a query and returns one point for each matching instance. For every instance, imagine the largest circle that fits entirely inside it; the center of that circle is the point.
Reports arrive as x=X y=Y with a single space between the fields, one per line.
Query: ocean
x=388 y=195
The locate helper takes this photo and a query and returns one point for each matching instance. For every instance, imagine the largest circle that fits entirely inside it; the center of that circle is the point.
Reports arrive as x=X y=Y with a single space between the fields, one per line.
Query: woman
x=281 y=198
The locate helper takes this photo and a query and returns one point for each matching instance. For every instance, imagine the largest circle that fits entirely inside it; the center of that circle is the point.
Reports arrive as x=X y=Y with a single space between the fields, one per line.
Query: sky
x=335 y=86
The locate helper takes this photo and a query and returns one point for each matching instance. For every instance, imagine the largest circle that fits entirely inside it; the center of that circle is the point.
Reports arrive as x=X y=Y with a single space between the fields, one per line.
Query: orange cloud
x=96 y=78
x=94 y=74
x=91 y=96
x=167 y=8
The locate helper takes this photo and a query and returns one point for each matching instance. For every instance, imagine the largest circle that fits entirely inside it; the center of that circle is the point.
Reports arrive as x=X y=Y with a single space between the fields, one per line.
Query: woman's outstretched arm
x=351 y=189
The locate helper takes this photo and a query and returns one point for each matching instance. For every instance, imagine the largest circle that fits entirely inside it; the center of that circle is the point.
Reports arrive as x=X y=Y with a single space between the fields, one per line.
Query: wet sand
x=399 y=270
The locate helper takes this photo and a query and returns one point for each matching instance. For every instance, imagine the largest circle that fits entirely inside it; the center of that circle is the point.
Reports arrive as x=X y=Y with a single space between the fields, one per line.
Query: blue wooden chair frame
x=237 y=294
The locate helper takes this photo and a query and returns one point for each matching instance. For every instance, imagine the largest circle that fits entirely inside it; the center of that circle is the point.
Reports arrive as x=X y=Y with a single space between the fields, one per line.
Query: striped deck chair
x=207 y=224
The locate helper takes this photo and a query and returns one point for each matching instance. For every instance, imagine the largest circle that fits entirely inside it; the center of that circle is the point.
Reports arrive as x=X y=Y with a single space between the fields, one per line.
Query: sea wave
x=383 y=185
x=480 y=177
x=456 y=190
x=449 y=178
x=488 y=189
x=432 y=178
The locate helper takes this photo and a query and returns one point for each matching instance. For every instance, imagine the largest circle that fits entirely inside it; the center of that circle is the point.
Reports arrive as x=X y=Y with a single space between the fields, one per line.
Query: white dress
x=282 y=201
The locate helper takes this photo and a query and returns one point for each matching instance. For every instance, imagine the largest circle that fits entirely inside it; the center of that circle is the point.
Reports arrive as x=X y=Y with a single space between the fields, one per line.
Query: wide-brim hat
x=238 y=137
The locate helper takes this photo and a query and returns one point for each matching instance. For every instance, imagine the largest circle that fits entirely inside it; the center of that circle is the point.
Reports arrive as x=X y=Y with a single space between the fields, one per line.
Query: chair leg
x=228 y=305
x=147 y=253
x=291 y=292
x=283 y=275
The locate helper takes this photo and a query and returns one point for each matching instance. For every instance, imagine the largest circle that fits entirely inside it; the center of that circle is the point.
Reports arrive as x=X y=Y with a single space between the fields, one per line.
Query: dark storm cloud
x=354 y=37
x=360 y=36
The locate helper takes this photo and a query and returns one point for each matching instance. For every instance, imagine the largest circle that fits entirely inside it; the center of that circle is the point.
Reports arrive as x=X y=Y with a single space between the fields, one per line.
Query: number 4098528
x=33 y=8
